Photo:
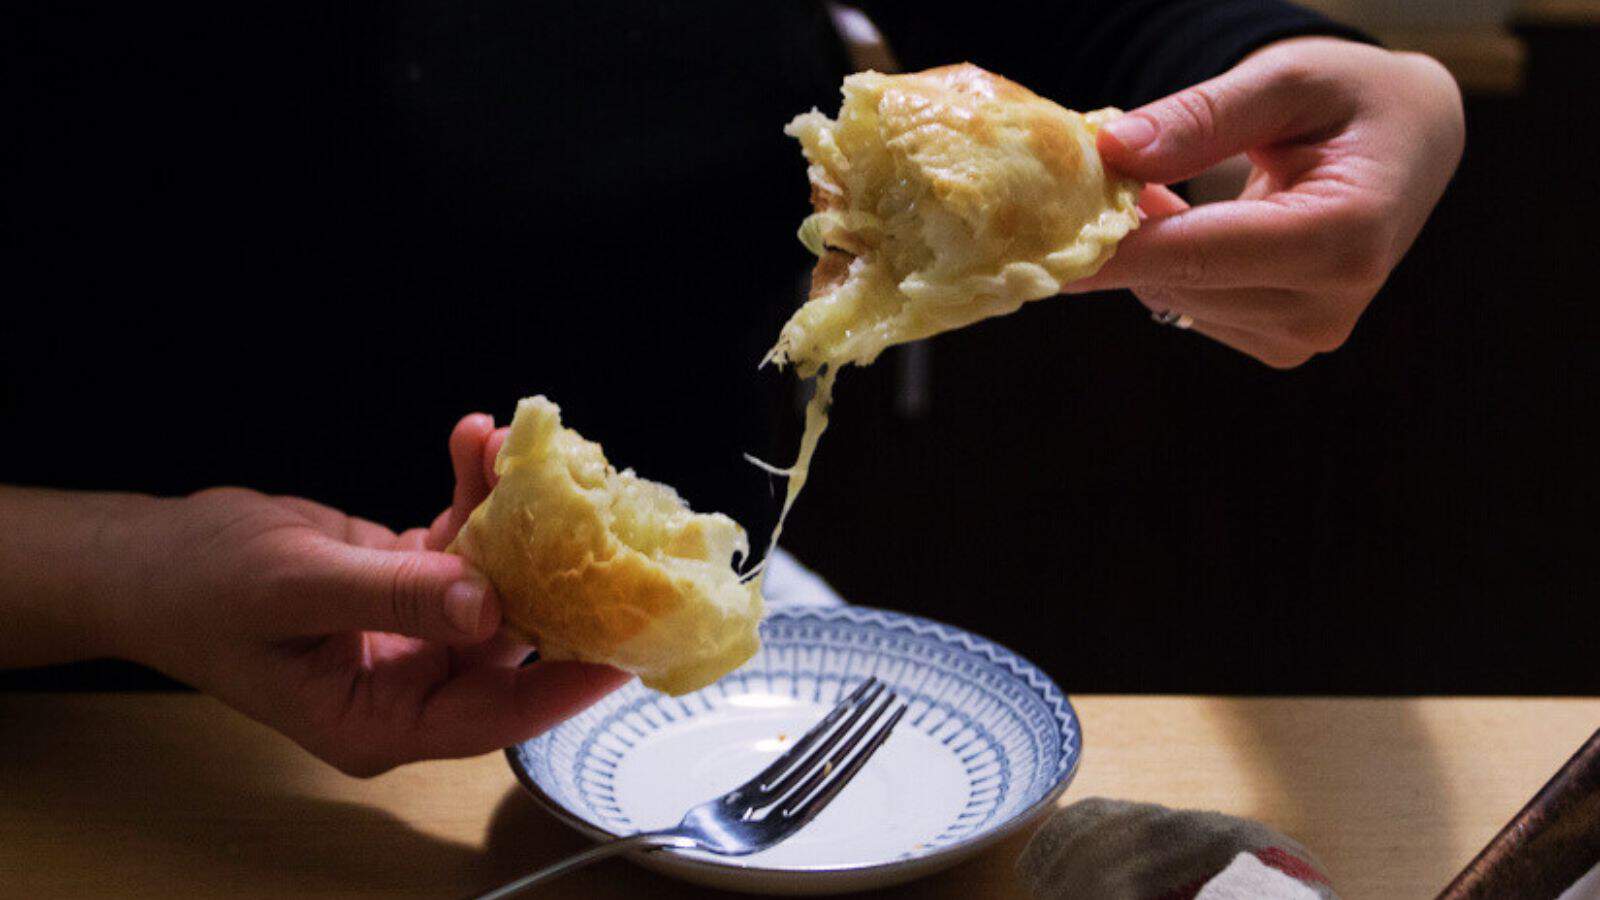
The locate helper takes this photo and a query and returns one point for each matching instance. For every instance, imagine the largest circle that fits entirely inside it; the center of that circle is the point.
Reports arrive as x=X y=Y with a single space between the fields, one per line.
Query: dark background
x=288 y=250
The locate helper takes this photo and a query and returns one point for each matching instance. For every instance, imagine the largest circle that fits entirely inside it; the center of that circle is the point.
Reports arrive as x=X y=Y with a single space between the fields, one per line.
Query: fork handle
x=644 y=840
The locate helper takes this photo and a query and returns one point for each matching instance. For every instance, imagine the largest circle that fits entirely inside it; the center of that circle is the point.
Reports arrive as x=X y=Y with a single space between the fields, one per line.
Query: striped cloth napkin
x=1116 y=850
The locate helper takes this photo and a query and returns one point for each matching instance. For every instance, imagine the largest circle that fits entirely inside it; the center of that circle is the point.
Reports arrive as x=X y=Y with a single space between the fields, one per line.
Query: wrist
x=124 y=547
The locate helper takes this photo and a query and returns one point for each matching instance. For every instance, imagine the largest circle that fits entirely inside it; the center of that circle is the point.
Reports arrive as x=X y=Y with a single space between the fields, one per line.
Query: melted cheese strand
x=939 y=199
x=816 y=424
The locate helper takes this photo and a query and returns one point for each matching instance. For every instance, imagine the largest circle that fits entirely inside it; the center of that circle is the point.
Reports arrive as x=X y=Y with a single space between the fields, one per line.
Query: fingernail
x=1132 y=132
x=463 y=604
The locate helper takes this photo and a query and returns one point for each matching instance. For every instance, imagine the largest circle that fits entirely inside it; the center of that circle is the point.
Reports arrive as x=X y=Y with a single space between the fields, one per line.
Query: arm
x=63 y=557
x=86 y=575
x=368 y=648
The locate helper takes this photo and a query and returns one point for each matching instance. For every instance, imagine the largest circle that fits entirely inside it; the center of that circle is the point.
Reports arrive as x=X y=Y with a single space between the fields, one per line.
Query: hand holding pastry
x=368 y=648
x=1351 y=146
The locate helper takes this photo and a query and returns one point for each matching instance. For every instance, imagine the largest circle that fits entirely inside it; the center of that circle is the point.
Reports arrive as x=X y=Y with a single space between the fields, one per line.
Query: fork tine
x=772 y=791
x=802 y=809
x=817 y=774
x=782 y=764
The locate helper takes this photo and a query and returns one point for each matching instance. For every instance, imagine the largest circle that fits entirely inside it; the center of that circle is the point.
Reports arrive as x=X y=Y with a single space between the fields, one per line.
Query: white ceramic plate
x=988 y=743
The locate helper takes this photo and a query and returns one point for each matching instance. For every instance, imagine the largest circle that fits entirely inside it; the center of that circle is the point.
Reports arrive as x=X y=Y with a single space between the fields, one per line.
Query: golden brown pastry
x=942 y=198
x=604 y=566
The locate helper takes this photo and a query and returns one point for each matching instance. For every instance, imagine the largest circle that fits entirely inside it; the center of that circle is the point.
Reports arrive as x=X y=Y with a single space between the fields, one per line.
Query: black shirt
x=287 y=245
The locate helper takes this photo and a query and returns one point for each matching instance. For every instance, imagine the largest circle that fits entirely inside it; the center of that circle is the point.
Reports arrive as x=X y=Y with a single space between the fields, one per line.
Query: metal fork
x=770 y=807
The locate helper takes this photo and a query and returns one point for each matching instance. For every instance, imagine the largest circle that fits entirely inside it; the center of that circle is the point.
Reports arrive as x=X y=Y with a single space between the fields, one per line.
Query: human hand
x=1351 y=148
x=368 y=648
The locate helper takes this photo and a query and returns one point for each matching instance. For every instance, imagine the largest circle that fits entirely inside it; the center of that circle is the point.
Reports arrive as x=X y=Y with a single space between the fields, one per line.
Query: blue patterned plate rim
x=1025 y=671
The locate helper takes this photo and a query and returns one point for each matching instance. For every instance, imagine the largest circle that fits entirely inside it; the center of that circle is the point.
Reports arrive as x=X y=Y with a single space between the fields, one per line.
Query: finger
x=451 y=521
x=491 y=452
x=1263 y=346
x=1157 y=200
x=1282 y=328
x=439 y=533
x=466 y=458
x=1266 y=349
x=1182 y=135
x=505 y=650
x=363 y=533
x=490 y=708
x=1267 y=311
x=466 y=446
x=1258 y=309
x=413 y=539
x=1238 y=243
x=436 y=596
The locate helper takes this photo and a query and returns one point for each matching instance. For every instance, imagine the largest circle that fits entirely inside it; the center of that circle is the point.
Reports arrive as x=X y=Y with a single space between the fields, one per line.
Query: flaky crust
x=955 y=195
x=603 y=566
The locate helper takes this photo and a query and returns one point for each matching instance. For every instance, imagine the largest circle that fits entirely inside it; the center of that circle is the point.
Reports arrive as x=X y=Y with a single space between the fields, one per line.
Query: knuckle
x=1184 y=261
x=1301 y=331
x=1333 y=335
x=405 y=600
x=1192 y=266
x=1284 y=360
x=260 y=589
x=358 y=758
x=1358 y=240
x=1314 y=331
x=1194 y=111
x=1289 y=73
x=1306 y=87
x=1426 y=67
x=279 y=580
x=1363 y=218
x=222 y=495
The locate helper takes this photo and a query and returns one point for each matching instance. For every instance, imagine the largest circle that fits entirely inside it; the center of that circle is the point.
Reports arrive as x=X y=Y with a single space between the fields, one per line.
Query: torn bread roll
x=942 y=198
x=603 y=566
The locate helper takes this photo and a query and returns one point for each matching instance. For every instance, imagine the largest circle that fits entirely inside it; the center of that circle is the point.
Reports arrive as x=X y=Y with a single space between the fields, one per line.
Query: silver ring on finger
x=1178 y=320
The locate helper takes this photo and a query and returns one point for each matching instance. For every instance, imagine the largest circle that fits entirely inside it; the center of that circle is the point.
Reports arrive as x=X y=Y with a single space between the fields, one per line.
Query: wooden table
x=165 y=795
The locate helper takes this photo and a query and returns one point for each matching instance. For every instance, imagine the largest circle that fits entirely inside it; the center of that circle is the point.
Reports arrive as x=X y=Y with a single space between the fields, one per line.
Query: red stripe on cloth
x=1291 y=865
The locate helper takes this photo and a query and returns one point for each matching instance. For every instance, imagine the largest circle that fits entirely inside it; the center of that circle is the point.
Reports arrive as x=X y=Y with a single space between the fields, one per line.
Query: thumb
x=1182 y=135
x=418 y=593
